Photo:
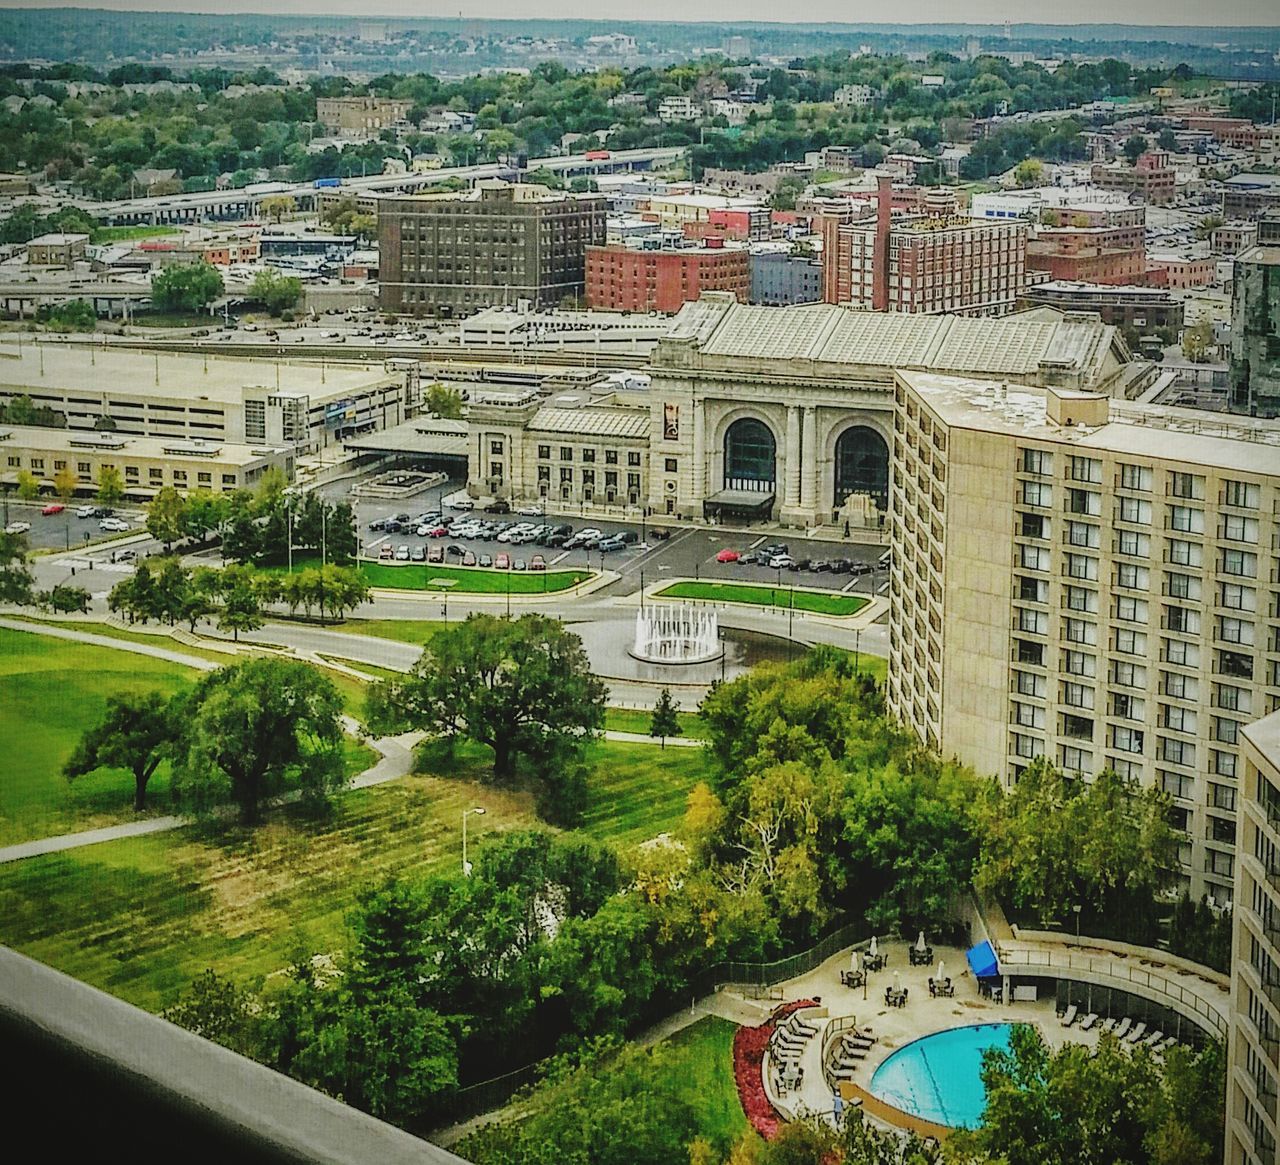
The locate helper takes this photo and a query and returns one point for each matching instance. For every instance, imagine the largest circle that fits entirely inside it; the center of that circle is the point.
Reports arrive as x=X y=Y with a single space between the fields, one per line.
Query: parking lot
x=655 y=552
x=64 y=530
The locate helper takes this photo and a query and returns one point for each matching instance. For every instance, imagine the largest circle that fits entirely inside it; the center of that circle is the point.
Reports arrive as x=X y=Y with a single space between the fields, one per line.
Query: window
x=1080 y=599
x=1182 y=586
x=588 y=455
x=1127 y=739
x=633 y=458
x=1026 y=651
x=1079 y=663
x=1177 y=719
x=669 y=465
x=1130 y=642
x=1133 y=544
x=1185 y=553
x=1077 y=695
x=1131 y=610
x=1186 y=485
x=1226 y=731
x=1029 y=684
x=1125 y=706
x=1181 y=687
x=1216 y=862
x=1135 y=477
x=544 y=452
x=544 y=473
x=1240 y=562
x=203 y=478
x=1131 y=577
x=1237 y=528
x=611 y=457
x=1222 y=797
x=1032 y=590
x=1083 y=534
x=228 y=479
x=255 y=420
x=1028 y=715
x=1128 y=675
x=1186 y=519
x=1079 y=631
x=1177 y=785
x=1240 y=493
x=37 y=463
x=1237 y=597
x=566 y=453
x=1084 y=501
x=1221 y=830
x=1177 y=752
x=1032 y=526
x=1182 y=653
x=1037 y=461
x=566 y=475
x=1135 y=510
x=1080 y=566
x=82 y=467
x=155 y=473
x=1033 y=558
x=1085 y=469
x=1036 y=493
x=1027 y=746
x=1234 y=699
x=495 y=448
x=1232 y=630
x=1184 y=620
x=1075 y=760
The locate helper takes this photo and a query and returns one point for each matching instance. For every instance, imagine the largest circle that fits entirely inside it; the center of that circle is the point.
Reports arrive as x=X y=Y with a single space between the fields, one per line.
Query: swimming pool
x=938 y=1077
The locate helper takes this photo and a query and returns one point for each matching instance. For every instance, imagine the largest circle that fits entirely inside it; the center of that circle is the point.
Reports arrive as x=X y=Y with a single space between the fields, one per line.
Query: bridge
x=109 y=297
x=246 y=202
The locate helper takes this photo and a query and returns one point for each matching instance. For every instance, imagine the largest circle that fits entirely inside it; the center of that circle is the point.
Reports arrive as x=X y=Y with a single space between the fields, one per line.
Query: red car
x=438 y=532
x=502 y=562
x=727 y=556
x=55 y=508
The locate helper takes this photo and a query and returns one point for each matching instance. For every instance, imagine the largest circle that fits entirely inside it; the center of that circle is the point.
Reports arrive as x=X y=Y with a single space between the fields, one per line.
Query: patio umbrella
x=895 y=980
x=853 y=961
x=939 y=975
x=920 y=943
x=871 y=950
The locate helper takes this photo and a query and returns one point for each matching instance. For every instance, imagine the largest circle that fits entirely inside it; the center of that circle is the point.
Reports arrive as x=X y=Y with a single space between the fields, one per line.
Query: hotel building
x=1089 y=581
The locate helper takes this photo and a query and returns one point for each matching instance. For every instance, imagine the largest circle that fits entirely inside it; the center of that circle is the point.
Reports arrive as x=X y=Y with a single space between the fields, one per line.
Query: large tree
x=255 y=728
x=110 y=487
x=166 y=516
x=186 y=288
x=522 y=687
x=136 y=732
x=276 y=292
x=16 y=579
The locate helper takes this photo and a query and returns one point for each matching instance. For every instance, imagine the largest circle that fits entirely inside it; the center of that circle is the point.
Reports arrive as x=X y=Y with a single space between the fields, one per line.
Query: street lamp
x=1077 y=908
x=466 y=865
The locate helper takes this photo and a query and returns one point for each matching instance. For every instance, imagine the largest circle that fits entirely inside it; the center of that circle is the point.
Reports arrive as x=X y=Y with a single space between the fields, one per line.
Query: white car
x=531 y=511
x=780 y=561
x=462 y=504
x=113 y=525
x=18 y=528
x=86 y=511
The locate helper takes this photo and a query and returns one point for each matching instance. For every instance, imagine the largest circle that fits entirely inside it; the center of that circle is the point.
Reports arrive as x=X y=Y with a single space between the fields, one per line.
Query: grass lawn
x=816 y=602
x=141 y=917
x=470 y=579
x=637 y=720
x=369 y=669
x=416 y=631
x=156 y=637
x=50 y=691
x=126 y=234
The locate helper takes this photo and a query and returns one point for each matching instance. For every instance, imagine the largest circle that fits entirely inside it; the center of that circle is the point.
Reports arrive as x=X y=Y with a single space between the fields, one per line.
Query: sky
x=1165 y=12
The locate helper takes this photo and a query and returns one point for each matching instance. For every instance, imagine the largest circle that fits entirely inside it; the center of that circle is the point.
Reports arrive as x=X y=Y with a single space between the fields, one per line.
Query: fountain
x=676 y=633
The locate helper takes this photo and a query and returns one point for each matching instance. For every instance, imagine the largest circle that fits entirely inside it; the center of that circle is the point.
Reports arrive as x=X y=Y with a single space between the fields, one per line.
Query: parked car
x=840 y=565
x=124 y=556
x=590 y=542
x=555 y=541
x=385 y=551
x=820 y=566
x=658 y=534
x=727 y=555
x=403 y=519
x=503 y=561
x=533 y=511
x=776 y=549
x=402 y=553
x=18 y=528
x=453 y=550
x=860 y=568
x=435 y=553
x=610 y=544
x=469 y=558
x=391 y=526
x=376 y=524
x=486 y=560
x=437 y=531
x=53 y=508
x=113 y=525
x=537 y=562
x=750 y=558
x=518 y=564
x=418 y=554
x=781 y=561
x=799 y=564
x=86 y=511
x=498 y=506
x=462 y=504
x=629 y=536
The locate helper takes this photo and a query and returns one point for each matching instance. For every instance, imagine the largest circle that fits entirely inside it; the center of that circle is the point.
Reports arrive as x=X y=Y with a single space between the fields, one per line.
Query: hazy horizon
x=1151 y=13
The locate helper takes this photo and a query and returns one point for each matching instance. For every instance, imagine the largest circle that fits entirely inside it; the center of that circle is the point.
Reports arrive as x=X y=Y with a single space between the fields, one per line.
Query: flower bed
x=749 y=1044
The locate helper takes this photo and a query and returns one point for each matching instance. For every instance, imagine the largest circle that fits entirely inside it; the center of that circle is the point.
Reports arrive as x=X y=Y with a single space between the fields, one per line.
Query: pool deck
x=895 y=1026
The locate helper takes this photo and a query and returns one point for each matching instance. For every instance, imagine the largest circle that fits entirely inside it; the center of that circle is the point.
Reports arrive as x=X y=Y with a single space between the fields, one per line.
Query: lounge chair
x=1122 y=1028
x=1109 y=1024
x=1139 y=1030
x=1153 y=1039
x=1089 y=1021
x=1068 y=1017
x=1167 y=1043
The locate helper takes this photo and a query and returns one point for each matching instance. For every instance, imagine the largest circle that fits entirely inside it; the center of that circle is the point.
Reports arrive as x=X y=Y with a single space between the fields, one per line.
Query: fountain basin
x=676 y=634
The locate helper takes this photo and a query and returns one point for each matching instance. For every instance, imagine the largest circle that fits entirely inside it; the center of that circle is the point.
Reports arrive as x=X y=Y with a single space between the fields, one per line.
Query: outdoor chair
x=1089 y=1021
x=1167 y=1043
x=1109 y=1024
x=1153 y=1039
x=803 y=1027
x=1068 y=1017
x=852 y=978
x=1122 y=1028
x=948 y=988
x=1139 y=1030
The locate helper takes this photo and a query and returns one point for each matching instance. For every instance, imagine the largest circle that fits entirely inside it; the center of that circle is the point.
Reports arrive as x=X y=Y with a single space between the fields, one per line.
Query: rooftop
x=57 y=240
x=829 y=334
x=1187 y=436
x=1268 y=254
x=70 y=440
x=97 y=368
x=1270 y=182
x=594 y=420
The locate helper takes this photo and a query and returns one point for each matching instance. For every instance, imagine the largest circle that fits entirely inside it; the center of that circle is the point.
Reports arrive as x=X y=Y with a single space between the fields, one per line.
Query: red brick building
x=625 y=279
x=1151 y=176
x=1090 y=243
x=924 y=264
x=1238 y=132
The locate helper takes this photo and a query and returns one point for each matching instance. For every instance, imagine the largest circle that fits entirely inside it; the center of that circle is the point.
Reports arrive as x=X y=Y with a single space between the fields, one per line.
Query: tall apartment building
x=1255 y=324
x=1089 y=581
x=922 y=263
x=1151 y=176
x=453 y=254
x=650 y=279
x=1253 y=1043
x=1090 y=241
x=350 y=116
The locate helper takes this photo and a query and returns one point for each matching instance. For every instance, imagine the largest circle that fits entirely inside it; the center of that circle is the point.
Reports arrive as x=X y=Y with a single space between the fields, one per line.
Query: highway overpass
x=246 y=202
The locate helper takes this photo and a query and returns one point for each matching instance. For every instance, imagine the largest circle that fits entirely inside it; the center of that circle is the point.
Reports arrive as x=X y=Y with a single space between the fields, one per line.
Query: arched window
x=862 y=465
x=749 y=456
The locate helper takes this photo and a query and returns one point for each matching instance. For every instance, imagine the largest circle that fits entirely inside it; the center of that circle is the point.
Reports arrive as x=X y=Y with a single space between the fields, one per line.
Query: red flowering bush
x=749 y=1044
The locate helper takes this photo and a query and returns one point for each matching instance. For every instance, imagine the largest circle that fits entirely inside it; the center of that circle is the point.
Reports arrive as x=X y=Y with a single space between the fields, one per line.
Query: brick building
x=924 y=264
x=1142 y=308
x=626 y=279
x=1090 y=242
x=1151 y=176
x=352 y=116
x=1249 y=196
x=1181 y=272
x=57 y=250
x=452 y=254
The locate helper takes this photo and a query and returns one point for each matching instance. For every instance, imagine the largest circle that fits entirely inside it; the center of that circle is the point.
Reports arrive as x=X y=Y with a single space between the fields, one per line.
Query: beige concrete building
x=1089 y=581
x=361 y=116
x=783 y=413
x=306 y=405
x=1253 y=1047
x=57 y=250
x=146 y=464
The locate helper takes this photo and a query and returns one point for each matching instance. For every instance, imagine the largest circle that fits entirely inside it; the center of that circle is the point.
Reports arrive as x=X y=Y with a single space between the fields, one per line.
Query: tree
x=241 y=602
x=1134 y=147
x=135 y=733
x=28 y=485
x=1029 y=172
x=1207 y=225
x=16 y=579
x=444 y=400
x=665 y=720
x=1197 y=339
x=276 y=292
x=110 y=487
x=65 y=482
x=254 y=727
x=524 y=688
x=185 y=288
x=166 y=516
x=203 y=513
x=65 y=599
x=76 y=315
x=215 y=1008
x=1168 y=140
x=278 y=205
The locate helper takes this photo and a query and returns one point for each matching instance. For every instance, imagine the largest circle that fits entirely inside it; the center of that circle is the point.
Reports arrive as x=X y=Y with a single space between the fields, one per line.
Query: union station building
x=779 y=413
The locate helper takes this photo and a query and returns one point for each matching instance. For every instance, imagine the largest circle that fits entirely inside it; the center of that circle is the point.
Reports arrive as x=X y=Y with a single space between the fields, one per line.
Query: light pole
x=466 y=865
x=1077 y=909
